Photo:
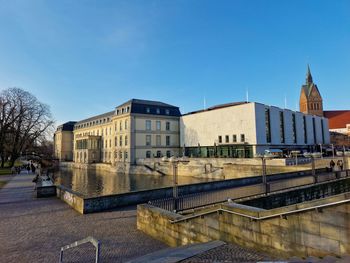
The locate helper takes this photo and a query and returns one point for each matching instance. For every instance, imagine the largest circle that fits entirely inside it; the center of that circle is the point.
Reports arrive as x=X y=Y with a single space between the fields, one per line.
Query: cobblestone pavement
x=228 y=253
x=34 y=230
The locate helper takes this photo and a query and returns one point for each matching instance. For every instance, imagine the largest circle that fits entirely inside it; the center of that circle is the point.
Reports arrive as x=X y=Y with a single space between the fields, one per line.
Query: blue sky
x=85 y=57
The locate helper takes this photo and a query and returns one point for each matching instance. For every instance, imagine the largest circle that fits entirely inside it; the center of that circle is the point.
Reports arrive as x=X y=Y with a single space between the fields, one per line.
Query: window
x=158 y=140
x=126 y=140
x=294 y=135
x=115 y=141
x=120 y=155
x=168 y=154
x=126 y=124
x=234 y=138
x=167 y=140
x=220 y=139
x=267 y=125
x=120 y=126
x=148 y=140
x=148 y=125
x=242 y=138
x=159 y=154
x=101 y=132
x=97 y=132
x=120 y=140
x=227 y=138
x=110 y=143
x=125 y=155
x=110 y=130
x=305 y=130
x=148 y=110
x=148 y=154
x=167 y=112
x=323 y=141
x=167 y=126
x=282 y=137
x=158 y=111
x=158 y=125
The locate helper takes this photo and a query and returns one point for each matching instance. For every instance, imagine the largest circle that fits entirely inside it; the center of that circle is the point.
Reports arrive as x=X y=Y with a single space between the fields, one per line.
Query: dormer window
x=122 y=110
x=148 y=110
x=158 y=111
x=127 y=109
x=117 y=112
x=167 y=112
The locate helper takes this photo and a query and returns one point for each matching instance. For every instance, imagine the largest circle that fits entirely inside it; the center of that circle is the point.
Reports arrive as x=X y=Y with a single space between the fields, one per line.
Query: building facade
x=135 y=129
x=246 y=128
x=63 y=141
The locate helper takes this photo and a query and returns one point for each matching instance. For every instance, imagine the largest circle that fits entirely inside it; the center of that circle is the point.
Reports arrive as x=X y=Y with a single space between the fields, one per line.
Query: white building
x=245 y=128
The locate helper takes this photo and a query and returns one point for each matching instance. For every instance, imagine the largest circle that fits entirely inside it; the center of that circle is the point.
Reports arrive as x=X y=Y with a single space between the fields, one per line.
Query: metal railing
x=89 y=239
x=196 y=200
x=283 y=214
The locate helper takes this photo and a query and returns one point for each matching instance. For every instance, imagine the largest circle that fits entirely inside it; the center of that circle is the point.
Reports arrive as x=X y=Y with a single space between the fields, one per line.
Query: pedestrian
x=339 y=165
x=32 y=167
x=28 y=168
x=332 y=164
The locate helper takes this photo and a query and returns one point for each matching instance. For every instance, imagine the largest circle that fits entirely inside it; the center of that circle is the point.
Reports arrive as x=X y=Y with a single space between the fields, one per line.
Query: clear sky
x=83 y=58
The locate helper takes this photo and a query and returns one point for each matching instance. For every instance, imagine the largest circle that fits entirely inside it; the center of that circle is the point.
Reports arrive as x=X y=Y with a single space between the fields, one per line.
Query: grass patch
x=5 y=171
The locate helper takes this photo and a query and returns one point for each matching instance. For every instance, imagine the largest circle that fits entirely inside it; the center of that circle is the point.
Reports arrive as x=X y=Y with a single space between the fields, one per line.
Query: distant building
x=245 y=128
x=311 y=102
x=63 y=141
x=135 y=129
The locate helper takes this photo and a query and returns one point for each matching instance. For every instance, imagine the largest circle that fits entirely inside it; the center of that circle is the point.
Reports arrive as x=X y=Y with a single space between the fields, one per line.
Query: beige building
x=63 y=141
x=136 y=129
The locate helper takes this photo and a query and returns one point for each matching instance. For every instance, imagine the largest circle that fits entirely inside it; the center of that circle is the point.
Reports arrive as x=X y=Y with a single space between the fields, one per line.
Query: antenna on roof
x=204 y=103
x=247 y=95
x=285 y=101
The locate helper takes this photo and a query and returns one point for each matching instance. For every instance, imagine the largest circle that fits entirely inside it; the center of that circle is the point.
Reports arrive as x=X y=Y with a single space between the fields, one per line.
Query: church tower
x=310 y=98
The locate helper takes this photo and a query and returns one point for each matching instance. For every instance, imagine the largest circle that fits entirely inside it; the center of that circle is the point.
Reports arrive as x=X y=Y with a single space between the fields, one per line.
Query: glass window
x=148 y=140
x=158 y=127
x=110 y=143
x=158 y=140
x=242 y=138
x=120 y=140
x=158 y=111
x=120 y=155
x=126 y=155
x=148 y=154
x=267 y=125
x=167 y=138
x=148 y=110
x=148 y=125
x=120 y=126
x=167 y=112
x=282 y=137
x=234 y=138
x=126 y=124
x=126 y=140
x=167 y=126
x=159 y=154
x=227 y=140
x=168 y=154
x=220 y=139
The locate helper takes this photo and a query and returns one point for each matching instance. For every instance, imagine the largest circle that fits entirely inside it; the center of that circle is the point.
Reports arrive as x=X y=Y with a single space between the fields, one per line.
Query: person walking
x=331 y=165
x=28 y=168
x=339 y=165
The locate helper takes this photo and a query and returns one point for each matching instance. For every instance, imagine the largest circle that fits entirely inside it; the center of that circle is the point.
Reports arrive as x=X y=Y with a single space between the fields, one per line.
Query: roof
x=67 y=126
x=337 y=119
x=107 y=114
x=219 y=106
x=147 y=102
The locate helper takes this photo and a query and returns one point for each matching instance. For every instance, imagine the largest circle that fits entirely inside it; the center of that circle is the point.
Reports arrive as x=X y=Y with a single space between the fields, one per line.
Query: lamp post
x=333 y=150
x=263 y=158
x=175 y=161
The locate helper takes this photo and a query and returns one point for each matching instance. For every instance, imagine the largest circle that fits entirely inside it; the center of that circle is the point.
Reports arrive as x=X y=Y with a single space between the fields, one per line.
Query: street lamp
x=175 y=161
x=264 y=157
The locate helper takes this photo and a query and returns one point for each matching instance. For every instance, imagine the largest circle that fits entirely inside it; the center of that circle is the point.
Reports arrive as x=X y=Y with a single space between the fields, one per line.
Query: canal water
x=91 y=183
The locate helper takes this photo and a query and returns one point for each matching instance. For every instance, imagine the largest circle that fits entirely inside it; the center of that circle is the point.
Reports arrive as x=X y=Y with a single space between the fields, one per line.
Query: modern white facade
x=243 y=129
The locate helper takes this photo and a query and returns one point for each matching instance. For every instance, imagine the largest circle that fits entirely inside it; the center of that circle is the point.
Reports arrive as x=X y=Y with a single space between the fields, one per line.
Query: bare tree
x=24 y=121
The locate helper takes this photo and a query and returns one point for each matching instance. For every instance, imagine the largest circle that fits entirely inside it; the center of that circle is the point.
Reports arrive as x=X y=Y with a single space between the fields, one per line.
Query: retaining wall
x=308 y=233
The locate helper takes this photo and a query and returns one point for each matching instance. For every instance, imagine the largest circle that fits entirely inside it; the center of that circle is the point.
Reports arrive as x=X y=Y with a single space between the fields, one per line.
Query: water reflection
x=97 y=183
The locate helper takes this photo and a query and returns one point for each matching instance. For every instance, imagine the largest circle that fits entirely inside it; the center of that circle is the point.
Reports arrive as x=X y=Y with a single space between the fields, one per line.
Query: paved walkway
x=34 y=230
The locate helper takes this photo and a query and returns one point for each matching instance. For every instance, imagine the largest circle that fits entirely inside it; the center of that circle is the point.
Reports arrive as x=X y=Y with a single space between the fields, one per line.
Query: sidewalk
x=34 y=230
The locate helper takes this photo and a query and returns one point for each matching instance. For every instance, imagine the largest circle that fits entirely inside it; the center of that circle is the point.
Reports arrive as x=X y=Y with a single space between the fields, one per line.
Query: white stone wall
x=205 y=127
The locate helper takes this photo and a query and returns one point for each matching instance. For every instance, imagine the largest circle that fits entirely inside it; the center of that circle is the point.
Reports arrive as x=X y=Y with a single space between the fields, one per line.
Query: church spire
x=308 y=75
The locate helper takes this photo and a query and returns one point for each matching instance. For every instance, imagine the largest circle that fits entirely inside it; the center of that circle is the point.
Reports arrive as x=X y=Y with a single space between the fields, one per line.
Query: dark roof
x=107 y=114
x=219 y=106
x=151 y=107
x=147 y=102
x=68 y=126
x=337 y=119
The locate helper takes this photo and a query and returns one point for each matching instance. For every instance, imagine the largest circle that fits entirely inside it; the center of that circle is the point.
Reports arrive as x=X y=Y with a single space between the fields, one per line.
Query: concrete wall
x=307 y=233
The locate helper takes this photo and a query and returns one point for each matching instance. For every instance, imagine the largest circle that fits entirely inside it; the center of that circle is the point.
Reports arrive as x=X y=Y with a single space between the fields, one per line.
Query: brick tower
x=310 y=98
